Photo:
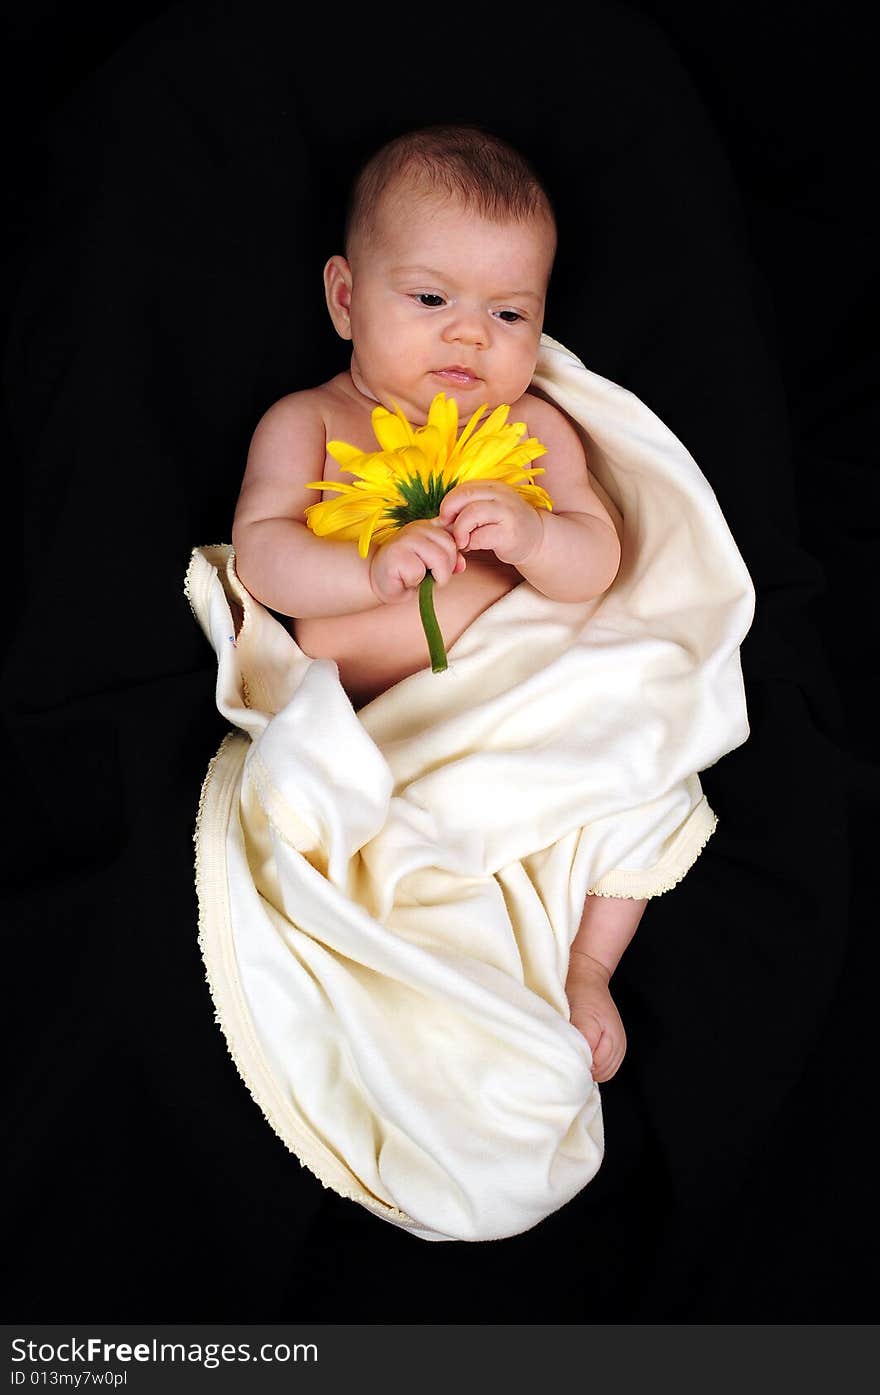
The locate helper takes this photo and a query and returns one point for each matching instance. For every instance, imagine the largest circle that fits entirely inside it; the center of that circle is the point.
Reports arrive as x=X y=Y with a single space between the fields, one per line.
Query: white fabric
x=387 y=898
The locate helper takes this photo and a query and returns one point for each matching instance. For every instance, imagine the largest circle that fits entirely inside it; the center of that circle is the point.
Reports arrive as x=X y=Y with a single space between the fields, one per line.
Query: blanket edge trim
x=230 y=1008
x=688 y=843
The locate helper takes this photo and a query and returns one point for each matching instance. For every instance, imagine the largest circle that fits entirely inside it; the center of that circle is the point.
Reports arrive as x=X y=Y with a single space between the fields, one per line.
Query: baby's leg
x=607 y=925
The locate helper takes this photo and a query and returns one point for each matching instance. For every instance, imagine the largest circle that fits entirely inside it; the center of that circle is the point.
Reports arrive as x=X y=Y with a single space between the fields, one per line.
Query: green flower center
x=420 y=500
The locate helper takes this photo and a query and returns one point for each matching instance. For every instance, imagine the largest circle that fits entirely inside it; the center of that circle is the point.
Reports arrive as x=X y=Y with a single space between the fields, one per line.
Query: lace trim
x=686 y=847
x=230 y=1009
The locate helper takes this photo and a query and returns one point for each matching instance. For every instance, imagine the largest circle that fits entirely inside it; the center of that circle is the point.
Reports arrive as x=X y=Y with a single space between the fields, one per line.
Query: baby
x=449 y=245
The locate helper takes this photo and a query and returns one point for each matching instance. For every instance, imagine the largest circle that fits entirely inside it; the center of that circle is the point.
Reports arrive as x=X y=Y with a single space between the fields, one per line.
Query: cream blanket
x=387 y=897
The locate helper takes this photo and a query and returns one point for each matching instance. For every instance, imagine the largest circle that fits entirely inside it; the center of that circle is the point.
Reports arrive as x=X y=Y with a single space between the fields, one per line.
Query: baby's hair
x=463 y=162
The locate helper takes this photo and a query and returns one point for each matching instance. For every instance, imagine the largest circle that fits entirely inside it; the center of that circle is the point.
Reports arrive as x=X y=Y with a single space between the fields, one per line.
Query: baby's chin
x=480 y=398
x=414 y=399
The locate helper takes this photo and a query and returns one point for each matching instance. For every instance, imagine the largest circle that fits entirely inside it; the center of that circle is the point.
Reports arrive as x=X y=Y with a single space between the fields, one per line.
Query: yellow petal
x=411 y=463
x=391 y=429
x=366 y=534
x=433 y=445
x=469 y=430
x=496 y=422
x=385 y=532
x=443 y=417
x=483 y=460
x=526 y=451
x=374 y=471
x=536 y=496
x=344 y=454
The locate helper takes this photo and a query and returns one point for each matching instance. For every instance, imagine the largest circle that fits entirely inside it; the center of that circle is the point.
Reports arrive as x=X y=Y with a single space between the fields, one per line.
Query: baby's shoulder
x=548 y=422
x=306 y=407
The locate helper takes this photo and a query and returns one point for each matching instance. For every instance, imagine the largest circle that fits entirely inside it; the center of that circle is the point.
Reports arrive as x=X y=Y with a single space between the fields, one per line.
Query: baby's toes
x=603 y=1058
x=609 y=1057
x=599 y=1043
x=589 y=1026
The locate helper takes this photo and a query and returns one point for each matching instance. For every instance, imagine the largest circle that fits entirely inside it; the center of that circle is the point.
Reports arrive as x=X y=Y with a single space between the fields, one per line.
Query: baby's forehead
x=411 y=205
x=424 y=198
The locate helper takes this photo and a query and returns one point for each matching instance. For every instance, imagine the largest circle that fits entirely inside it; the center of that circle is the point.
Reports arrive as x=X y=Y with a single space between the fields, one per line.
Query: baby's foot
x=593 y=1012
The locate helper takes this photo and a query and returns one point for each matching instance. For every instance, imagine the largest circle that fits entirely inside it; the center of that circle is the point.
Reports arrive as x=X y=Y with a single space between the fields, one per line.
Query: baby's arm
x=286 y=566
x=571 y=554
x=278 y=559
x=607 y=925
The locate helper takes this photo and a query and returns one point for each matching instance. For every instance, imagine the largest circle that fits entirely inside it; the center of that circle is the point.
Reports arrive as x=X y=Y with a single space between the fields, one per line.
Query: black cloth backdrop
x=178 y=179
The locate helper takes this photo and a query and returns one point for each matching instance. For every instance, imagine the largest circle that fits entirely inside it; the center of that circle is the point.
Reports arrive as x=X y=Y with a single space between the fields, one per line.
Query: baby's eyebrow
x=419 y=271
x=519 y=295
x=444 y=276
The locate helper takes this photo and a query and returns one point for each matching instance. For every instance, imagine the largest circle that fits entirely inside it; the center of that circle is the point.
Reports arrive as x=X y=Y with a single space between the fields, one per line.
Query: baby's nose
x=467 y=327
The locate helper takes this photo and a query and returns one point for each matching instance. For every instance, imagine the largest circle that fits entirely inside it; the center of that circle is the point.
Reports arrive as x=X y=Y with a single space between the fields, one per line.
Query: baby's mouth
x=455 y=373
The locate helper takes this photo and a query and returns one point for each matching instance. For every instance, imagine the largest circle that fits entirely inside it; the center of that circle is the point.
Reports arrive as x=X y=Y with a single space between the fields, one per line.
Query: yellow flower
x=411 y=473
x=414 y=468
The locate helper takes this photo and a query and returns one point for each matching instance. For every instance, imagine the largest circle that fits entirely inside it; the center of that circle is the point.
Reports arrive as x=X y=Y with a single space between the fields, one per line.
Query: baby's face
x=443 y=300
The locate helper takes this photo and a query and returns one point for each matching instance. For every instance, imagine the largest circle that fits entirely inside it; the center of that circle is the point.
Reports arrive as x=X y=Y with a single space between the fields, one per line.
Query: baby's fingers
x=439 y=554
x=421 y=548
x=479 y=513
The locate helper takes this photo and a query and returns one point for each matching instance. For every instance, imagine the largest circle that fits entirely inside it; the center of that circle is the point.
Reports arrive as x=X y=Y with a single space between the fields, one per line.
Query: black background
x=175 y=177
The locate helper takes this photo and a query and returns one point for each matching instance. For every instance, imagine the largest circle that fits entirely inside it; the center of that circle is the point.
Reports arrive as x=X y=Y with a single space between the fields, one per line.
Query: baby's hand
x=400 y=565
x=594 y=1014
x=487 y=514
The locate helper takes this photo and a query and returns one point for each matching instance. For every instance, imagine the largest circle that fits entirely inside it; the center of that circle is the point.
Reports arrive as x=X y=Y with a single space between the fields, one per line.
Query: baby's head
x=449 y=243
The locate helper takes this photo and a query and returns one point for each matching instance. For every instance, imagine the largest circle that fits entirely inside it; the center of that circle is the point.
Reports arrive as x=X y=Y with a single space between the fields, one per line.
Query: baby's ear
x=337 y=288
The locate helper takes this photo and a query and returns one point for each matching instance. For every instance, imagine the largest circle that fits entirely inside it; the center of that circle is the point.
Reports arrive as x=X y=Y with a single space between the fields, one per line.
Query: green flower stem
x=436 y=647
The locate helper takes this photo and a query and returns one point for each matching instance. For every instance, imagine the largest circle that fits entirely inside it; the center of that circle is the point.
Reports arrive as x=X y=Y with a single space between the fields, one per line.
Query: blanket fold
x=388 y=896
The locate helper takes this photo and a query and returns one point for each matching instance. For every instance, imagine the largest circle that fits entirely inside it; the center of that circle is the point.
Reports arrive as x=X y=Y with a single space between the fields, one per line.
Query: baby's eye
x=430 y=299
x=509 y=317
